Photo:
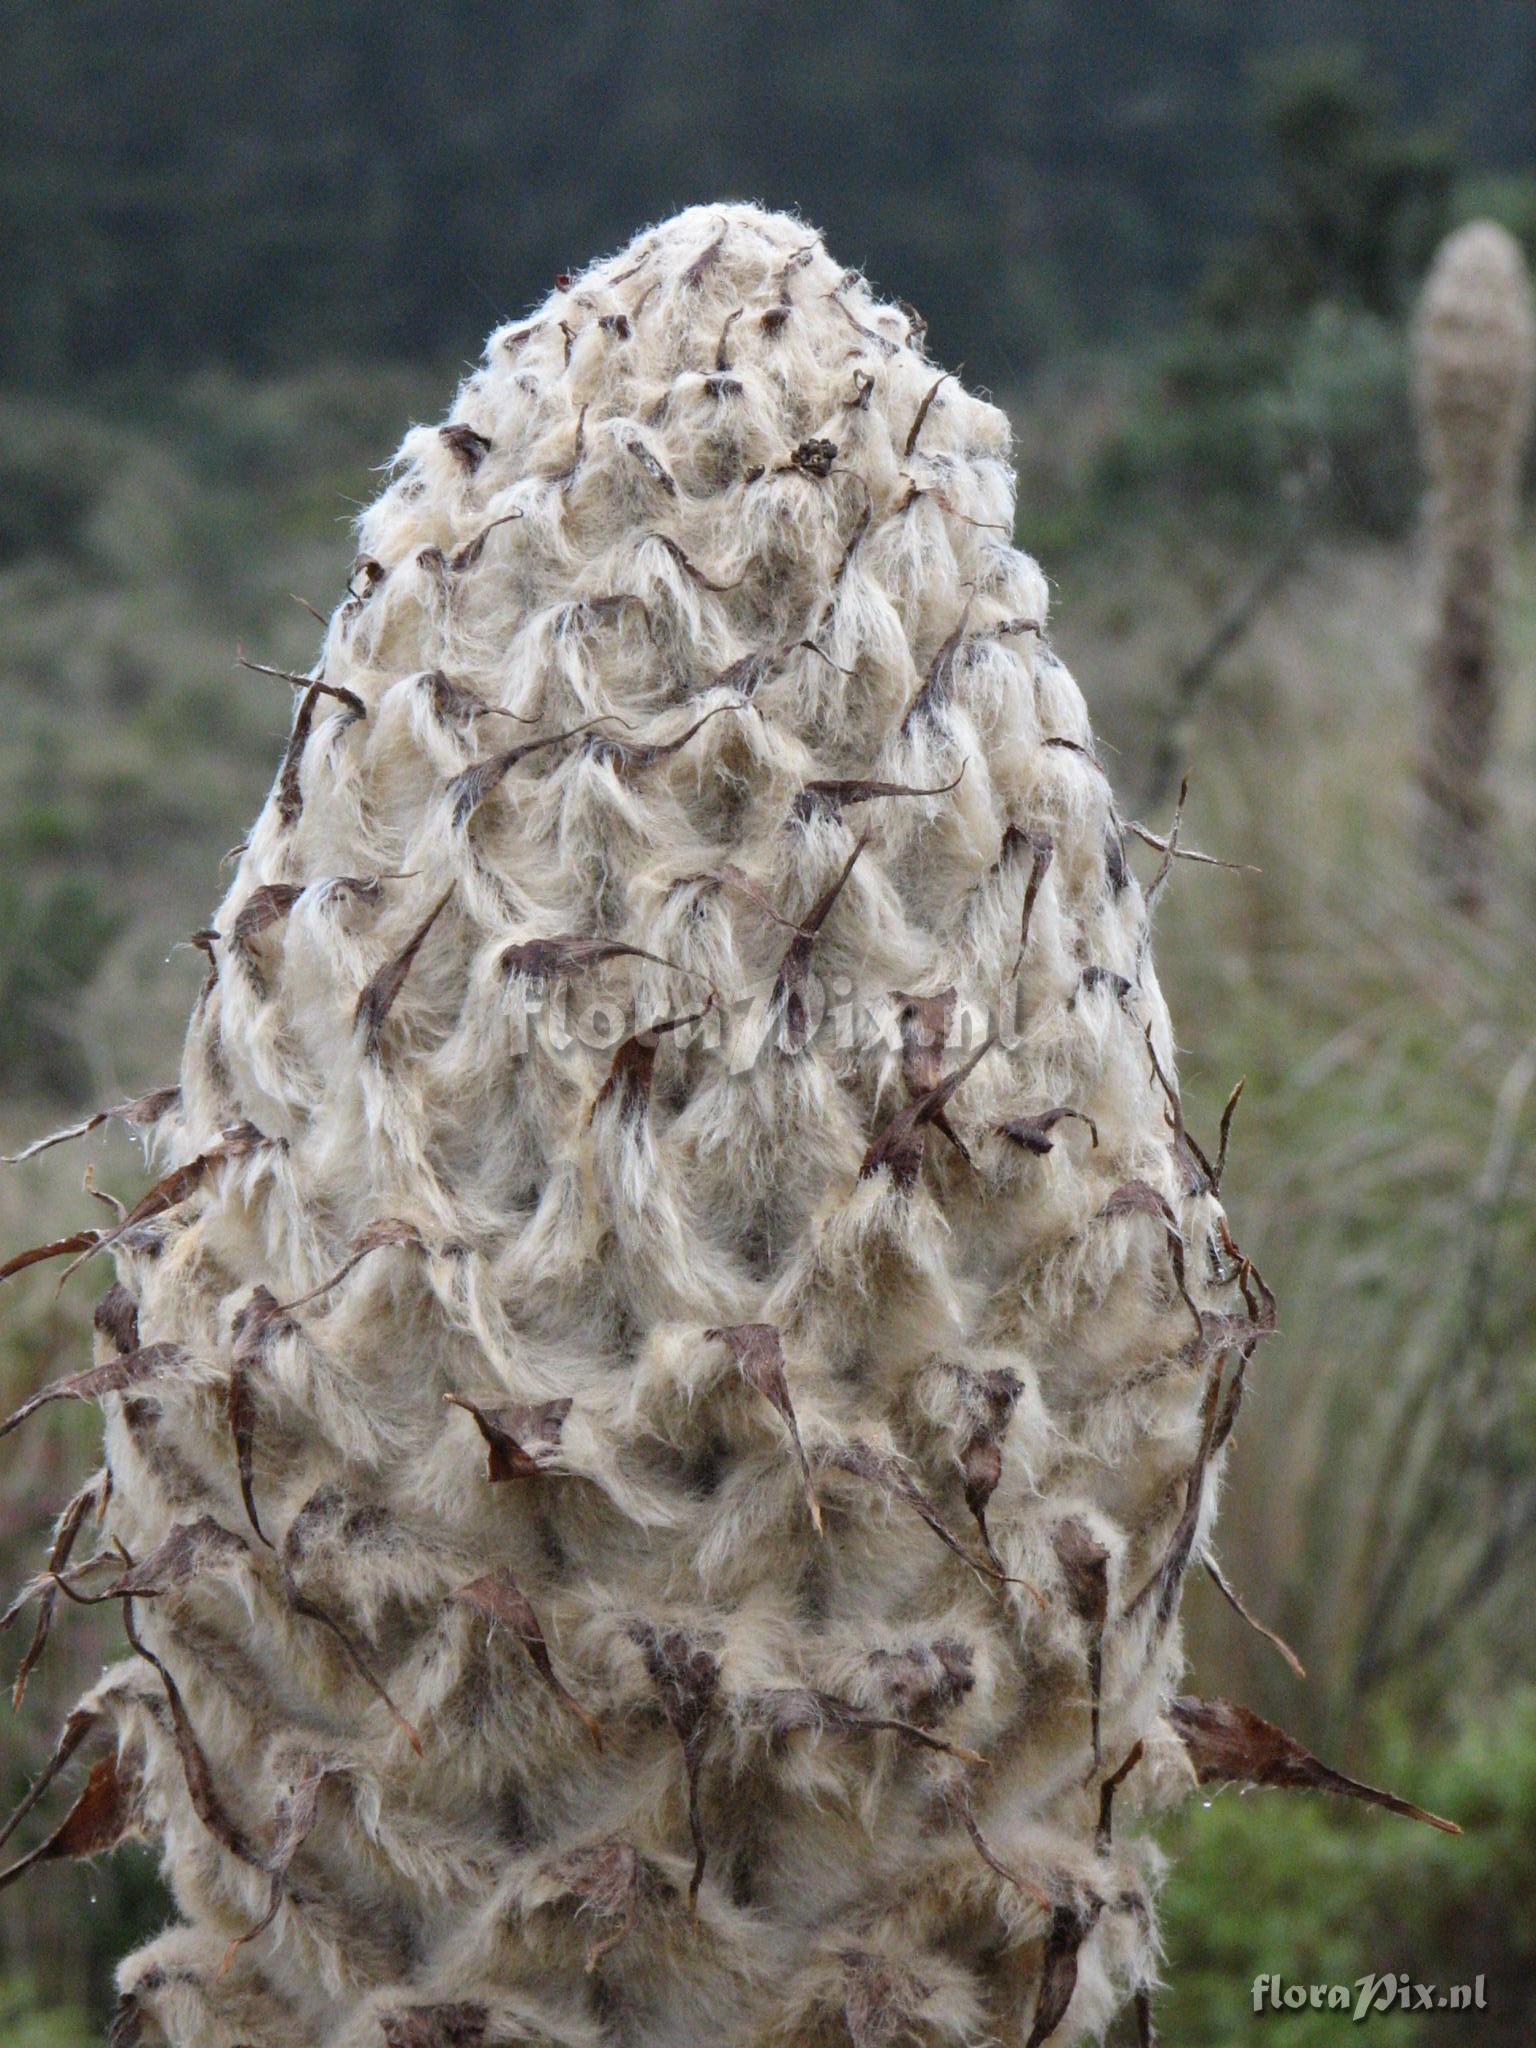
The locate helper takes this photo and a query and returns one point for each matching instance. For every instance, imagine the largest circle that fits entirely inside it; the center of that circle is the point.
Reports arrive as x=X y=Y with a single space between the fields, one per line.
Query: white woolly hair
x=660 y=1536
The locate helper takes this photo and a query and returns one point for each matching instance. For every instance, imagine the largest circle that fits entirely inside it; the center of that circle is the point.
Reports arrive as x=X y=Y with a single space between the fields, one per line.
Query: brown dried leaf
x=148 y=1362
x=991 y=1398
x=883 y=342
x=1199 y=1174
x=687 y=1681
x=925 y=1023
x=828 y=799
x=652 y=464
x=201 y=1790
x=738 y=879
x=722 y=349
x=959 y=1802
x=1042 y=852
x=1107 y=1791
x=1165 y=1581
x=863 y=1461
x=1077 y=747
x=1146 y=2028
x=861 y=526
x=294 y=1822
x=388 y=1231
x=934 y=694
x=140 y=1113
x=587 y=611
x=1139 y=1198
x=290 y=795
x=922 y=412
x=241 y=1411
x=705 y=261
x=254 y=1327
x=371 y=573
x=1168 y=846
x=786 y=1710
x=1226 y=1421
x=900 y=1145
x=1220 y=1334
x=612 y=753
x=759 y=1354
x=190 y=1548
x=263 y=908
x=1224 y=1138
x=90 y=1498
x=924 y=1681
x=564 y=953
x=981 y=1468
x=747 y=675
x=690 y=569
x=1070 y=1926
x=1258 y=1299
x=368 y=889
x=311 y=685
x=522 y=1439
x=97 y=1821
x=629 y=1076
x=1034 y=1132
x=106 y=1199
x=80 y=1723
x=456 y=703
x=1231 y=1745
x=1095 y=977
x=311 y=1610
x=467 y=555
x=468 y=448
x=174 y=1189
x=1115 y=868
x=60 y=1247
x=1084 y=1565
x=1234 y=1600
x=116 y=1317
x=125 y=2029
x=499 y=1598
x=378 y=998
x=469 y=789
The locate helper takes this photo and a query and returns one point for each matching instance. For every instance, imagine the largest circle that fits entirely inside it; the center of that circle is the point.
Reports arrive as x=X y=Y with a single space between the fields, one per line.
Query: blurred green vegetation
x=156 y=515
x=271 y=181
x=1286 y=371
x=1270 y=1886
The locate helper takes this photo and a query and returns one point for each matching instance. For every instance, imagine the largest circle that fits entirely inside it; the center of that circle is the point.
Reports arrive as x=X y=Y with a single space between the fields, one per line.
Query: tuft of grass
x=1381 y=1504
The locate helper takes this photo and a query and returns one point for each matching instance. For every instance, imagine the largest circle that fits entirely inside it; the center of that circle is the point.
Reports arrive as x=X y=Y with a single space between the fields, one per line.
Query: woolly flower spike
x=760 y=1485
x=1474 y=378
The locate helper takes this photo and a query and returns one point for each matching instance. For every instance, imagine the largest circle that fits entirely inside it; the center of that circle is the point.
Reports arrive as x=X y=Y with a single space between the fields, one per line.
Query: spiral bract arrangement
x=659 y=1408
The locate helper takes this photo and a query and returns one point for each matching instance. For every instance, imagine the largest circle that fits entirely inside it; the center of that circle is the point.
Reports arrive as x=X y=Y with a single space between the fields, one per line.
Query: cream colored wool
x=713 y=501
x=1474 y=350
